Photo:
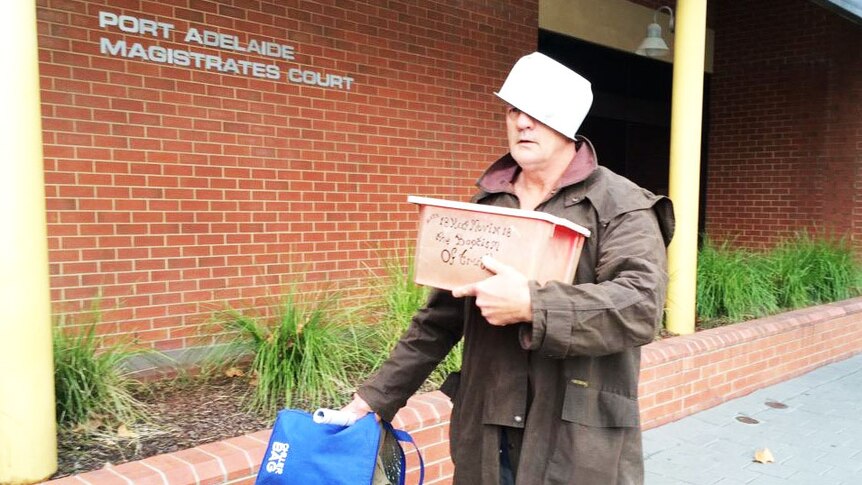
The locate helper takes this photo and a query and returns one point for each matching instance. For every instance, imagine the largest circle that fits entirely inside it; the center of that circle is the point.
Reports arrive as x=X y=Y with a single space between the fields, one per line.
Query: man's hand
x=359 y=407
x=503 y=298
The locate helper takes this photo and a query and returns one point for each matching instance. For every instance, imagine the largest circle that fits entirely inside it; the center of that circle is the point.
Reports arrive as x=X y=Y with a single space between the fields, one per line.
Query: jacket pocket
x=603 y=409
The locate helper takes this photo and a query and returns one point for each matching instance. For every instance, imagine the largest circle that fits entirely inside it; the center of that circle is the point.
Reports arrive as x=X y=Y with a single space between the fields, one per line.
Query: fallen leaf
x=234 y=372
x=123 y=431
x=763 y=456
x=88 y=426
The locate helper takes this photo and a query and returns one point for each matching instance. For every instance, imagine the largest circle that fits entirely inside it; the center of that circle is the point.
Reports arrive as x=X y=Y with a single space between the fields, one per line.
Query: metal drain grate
x=747 y=420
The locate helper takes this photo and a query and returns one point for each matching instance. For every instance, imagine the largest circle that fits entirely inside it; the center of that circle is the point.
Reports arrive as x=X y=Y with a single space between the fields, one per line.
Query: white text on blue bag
x=277 y=455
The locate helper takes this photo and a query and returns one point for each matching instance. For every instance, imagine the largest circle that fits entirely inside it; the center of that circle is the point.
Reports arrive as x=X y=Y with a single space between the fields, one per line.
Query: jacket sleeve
x=620 y=310
x=434 y=330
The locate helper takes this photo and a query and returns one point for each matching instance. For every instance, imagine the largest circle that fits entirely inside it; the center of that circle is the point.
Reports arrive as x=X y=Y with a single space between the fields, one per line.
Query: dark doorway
x=629 y=123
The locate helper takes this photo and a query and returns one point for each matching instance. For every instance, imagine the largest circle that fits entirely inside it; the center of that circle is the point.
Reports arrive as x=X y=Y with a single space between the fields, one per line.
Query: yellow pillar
x=685 y=140
x=28 y=440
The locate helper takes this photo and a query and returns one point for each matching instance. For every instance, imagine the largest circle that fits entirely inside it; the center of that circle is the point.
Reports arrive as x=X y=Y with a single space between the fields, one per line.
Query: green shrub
x=401 y=298
x=733 y=284
x=301 y=354
x=89 y=381
x=809 y=271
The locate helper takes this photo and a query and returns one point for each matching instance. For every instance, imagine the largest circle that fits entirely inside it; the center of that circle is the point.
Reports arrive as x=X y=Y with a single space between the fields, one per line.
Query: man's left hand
x=503 y=298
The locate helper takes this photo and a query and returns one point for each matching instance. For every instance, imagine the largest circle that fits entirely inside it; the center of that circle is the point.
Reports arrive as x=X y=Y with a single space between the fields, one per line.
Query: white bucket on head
x=549 y=92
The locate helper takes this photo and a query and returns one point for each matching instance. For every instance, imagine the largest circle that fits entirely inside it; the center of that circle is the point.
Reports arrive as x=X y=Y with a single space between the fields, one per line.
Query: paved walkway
x=816 y=439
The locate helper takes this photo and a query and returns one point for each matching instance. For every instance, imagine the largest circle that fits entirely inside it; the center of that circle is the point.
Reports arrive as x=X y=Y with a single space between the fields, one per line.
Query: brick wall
x=173 y=189
x=785 y=124
x=679 y=376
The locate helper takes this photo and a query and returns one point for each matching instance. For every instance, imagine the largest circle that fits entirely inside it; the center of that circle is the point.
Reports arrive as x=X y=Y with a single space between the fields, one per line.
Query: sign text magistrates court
x=227 y=65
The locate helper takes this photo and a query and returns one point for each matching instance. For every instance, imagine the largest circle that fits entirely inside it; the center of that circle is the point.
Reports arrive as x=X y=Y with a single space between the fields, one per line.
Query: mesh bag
x=391 y=468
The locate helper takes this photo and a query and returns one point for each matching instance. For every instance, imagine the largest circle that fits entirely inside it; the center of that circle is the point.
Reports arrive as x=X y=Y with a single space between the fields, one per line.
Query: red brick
x=199 y=154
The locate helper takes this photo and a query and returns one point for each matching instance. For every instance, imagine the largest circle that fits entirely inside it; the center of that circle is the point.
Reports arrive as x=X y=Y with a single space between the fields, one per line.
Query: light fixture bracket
x=669 y=12
x=653 y=44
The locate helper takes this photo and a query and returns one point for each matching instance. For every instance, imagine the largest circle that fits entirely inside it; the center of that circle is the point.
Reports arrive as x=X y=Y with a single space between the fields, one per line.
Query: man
x=548 y=388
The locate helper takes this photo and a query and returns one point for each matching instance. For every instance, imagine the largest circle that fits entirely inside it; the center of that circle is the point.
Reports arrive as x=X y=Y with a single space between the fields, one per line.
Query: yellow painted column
x=28 y=440
x=685 y=141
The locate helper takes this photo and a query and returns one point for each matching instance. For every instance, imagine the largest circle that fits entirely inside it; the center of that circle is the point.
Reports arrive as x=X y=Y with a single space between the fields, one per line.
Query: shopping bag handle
x=404 y=436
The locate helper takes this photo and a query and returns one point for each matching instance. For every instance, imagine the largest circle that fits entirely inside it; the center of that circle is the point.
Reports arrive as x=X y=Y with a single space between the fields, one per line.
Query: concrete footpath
x=811 y=424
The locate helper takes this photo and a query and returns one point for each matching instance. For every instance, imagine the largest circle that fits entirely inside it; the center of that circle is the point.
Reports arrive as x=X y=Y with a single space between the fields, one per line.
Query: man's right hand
x=359 y=408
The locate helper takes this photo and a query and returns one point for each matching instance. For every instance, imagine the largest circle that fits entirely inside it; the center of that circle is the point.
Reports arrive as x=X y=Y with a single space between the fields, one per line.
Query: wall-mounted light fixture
x=653 y=44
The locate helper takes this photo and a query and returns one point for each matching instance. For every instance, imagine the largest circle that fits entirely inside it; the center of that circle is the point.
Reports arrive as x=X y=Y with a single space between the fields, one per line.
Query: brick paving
x=812 y=424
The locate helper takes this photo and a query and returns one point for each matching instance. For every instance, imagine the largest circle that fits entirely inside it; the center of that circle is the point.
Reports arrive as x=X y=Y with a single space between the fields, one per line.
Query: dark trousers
x=510 y=454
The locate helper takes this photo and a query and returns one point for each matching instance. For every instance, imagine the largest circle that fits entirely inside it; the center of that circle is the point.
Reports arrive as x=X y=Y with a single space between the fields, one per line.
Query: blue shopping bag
x=303 y=452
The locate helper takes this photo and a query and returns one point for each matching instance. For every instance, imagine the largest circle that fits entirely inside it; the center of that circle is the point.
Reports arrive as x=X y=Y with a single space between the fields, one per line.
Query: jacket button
x=518 y=419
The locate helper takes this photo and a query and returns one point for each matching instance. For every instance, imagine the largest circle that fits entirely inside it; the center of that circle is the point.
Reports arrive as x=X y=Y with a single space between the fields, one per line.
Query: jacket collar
x=500 y=176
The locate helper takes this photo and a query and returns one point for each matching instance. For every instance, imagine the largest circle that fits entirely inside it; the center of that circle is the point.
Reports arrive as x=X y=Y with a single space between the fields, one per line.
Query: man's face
x=532 y=143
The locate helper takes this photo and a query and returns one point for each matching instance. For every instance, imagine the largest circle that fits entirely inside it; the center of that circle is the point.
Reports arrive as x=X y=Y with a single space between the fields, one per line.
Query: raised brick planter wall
x=679 y=376
x=684 y=375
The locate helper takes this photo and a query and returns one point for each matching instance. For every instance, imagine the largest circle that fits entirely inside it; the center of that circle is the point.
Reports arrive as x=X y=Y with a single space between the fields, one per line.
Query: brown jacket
x=569 y=378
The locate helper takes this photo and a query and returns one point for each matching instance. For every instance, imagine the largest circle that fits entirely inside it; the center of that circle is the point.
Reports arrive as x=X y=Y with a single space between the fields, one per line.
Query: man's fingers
x=495 y=266
x=462 y=291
